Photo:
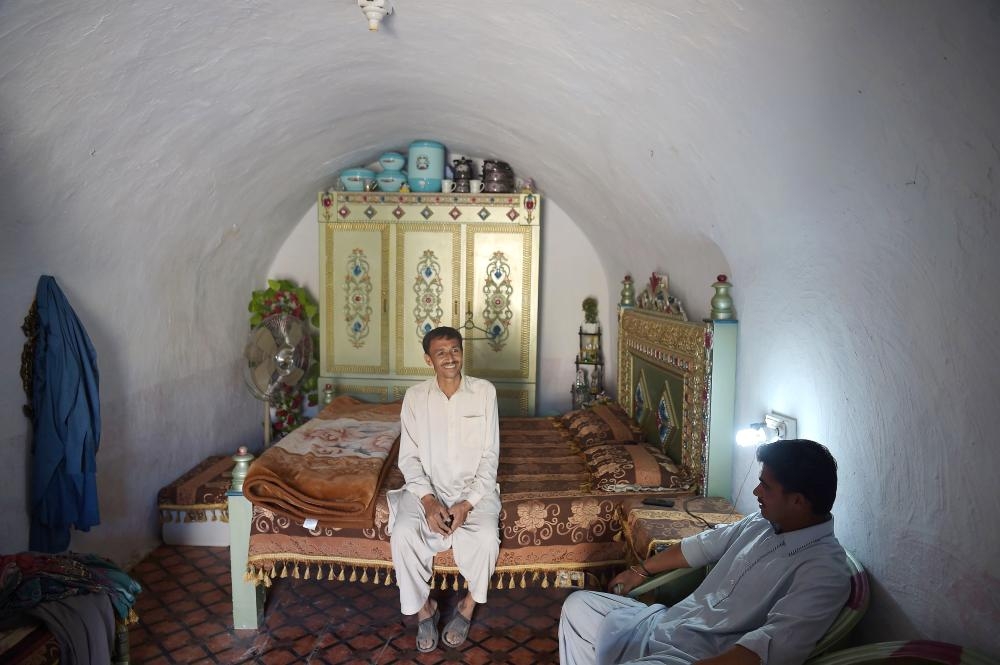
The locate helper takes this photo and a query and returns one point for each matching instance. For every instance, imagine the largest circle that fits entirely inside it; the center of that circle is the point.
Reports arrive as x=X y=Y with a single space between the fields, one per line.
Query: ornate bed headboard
x=677 y=379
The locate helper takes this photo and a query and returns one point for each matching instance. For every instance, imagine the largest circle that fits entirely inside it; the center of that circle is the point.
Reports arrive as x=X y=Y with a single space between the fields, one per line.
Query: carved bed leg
x=248 y=600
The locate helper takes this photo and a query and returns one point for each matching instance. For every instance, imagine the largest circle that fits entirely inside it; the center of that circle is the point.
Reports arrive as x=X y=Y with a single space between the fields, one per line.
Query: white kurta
x=449 y=448
x=773 y=593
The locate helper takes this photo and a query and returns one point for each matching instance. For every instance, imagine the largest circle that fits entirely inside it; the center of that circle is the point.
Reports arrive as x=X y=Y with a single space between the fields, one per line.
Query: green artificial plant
x=283 y=296
x=590 y=309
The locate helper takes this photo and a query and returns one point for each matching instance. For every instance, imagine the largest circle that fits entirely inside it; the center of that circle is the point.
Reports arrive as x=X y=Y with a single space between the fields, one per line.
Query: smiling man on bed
x=449 y=449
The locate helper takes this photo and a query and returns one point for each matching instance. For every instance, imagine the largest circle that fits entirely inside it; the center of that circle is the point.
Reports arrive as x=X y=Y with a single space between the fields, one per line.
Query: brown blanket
x=330 y=468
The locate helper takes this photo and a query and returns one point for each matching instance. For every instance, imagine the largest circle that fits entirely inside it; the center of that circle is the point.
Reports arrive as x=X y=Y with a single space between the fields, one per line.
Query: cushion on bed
x=621 y=468
x=602 y=424
x=345 y=406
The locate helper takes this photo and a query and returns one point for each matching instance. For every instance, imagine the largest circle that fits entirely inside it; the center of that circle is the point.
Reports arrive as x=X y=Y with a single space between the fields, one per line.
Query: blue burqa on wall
x=67 y=424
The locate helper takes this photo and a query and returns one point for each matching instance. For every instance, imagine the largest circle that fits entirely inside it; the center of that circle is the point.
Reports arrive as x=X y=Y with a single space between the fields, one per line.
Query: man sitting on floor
x=779 y=579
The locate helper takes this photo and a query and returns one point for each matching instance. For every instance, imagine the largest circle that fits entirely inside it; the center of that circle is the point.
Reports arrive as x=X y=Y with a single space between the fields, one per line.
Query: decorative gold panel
x=679 y=348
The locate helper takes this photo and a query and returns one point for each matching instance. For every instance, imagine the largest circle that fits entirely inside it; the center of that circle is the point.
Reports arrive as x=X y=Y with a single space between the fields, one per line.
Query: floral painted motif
x=497 y=292
x=357 y=289
x=427 y=287
x=665 y=422
x=639 y=399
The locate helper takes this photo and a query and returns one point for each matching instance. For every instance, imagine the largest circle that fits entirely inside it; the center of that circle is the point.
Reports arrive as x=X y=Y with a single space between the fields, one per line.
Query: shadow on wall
x=873 y=628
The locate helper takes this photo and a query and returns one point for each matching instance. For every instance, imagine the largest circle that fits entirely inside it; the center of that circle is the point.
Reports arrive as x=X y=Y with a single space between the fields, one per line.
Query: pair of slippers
x=427 y=631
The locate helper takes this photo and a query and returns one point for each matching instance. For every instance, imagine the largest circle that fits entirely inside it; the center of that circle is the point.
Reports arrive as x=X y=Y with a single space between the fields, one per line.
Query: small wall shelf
x=589 y=361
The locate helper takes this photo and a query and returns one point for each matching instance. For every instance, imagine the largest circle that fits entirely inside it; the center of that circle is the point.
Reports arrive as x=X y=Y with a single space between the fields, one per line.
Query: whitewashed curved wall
x=839 y=159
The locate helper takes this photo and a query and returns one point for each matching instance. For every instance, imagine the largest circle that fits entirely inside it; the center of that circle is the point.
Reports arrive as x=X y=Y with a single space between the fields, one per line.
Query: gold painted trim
x=523 y=402
x=362 y=389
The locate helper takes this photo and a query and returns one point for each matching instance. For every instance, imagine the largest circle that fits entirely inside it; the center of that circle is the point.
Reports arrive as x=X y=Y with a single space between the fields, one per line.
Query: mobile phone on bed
x=658 y=501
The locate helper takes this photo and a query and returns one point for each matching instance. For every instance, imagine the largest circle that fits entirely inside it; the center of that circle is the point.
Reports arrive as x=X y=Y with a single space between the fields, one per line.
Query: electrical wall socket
x=788 y=427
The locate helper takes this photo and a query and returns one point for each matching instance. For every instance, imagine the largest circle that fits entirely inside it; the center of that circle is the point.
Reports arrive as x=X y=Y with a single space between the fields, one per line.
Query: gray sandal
x=458 y=625
x=427 y=630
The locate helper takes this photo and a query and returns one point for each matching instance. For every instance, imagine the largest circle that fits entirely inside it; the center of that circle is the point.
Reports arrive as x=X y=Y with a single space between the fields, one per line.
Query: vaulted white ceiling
x=839 y=159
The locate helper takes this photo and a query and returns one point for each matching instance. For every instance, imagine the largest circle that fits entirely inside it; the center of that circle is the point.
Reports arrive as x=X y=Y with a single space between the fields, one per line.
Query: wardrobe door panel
x=500 y=280
x=428 y=265
x=355 y=261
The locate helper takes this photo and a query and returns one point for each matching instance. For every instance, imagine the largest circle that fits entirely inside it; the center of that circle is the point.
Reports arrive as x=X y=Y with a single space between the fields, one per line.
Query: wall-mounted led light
x=775 y=426
x=374 y=11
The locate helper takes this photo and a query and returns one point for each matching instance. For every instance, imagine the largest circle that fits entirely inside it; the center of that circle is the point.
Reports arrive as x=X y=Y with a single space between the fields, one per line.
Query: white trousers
x=475 y=545
x=583 y=612
x=587 y=635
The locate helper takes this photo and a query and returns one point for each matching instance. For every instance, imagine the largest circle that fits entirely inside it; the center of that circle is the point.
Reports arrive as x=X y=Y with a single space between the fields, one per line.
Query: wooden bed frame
x=676 y=378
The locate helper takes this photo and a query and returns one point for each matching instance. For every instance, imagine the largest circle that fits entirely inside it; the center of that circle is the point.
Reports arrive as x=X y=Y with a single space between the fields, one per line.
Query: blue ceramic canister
x=390 y=181
x=391 y=161
x=357 y=180
x=425 y=166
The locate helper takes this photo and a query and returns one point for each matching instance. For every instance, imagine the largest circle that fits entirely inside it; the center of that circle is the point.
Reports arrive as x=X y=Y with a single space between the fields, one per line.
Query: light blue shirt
x=774 y=593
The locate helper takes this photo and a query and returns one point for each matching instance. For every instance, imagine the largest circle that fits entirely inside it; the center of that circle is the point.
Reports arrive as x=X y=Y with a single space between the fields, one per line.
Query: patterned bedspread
x=555 y=528
x=329 y=469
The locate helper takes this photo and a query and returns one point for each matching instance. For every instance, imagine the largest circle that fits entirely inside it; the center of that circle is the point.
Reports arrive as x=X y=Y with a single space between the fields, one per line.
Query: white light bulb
x=751 y=436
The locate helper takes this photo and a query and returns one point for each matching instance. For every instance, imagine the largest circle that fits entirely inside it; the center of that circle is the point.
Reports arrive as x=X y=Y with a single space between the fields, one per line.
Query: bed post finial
x=242 y=459
x=627 y=297
x=722 y=301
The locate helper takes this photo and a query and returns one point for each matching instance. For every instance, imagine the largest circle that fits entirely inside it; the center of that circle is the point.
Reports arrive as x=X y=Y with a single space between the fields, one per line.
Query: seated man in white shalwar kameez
x=780 y=578
x=449 y=449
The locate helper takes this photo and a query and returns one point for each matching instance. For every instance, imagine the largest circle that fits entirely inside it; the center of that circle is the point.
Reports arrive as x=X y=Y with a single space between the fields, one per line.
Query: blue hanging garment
x=67 y=424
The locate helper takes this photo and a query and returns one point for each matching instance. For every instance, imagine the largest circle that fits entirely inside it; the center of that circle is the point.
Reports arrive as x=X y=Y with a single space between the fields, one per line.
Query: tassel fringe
x=263 y=572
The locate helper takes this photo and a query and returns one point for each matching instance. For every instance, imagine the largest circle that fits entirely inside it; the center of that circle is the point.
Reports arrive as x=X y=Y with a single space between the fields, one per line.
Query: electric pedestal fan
x=278 y=353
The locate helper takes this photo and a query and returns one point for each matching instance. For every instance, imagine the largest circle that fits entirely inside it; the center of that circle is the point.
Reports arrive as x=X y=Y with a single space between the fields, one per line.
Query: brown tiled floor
x=185 y=616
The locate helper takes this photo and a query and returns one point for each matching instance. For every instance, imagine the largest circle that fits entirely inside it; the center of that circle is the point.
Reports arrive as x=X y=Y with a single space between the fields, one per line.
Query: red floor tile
x=185 y=616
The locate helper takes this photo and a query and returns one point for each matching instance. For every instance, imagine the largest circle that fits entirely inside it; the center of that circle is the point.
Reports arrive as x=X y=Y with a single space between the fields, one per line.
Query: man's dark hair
x=803 y=466
x=443 y=332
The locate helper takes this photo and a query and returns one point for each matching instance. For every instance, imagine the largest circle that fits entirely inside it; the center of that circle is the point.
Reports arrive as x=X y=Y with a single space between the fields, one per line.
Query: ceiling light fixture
x=374 y=11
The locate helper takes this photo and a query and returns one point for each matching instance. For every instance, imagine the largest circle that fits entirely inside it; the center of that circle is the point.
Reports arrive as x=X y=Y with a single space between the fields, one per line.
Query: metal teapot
x=463 y=169
x=496 y=168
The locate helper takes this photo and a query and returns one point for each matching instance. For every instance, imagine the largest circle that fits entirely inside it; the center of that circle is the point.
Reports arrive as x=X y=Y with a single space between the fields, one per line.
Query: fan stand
x=278 y=352
x=267 y=424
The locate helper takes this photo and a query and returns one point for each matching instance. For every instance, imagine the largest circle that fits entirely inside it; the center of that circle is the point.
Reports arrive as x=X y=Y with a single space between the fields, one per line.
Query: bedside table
x=649 y=529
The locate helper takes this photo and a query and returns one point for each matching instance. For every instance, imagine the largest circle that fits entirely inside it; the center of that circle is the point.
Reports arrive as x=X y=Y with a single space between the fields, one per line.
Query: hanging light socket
x=775 y=426
x=375 y=11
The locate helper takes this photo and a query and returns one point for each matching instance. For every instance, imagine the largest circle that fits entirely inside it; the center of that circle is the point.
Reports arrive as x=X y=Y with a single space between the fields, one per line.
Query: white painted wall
x=840 y=159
